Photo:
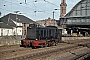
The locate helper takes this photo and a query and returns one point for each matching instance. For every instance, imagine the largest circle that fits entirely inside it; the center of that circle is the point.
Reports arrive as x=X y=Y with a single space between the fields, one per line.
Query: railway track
x=9 y=47
x=70 y=50
x=50 y=53
x=40 y=53
x=62 y=51
x=79 y=42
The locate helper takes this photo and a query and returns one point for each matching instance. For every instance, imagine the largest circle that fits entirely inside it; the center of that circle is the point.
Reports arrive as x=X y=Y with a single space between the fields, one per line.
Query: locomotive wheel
x=56 y=44
x=33 y=47
x=42 y=46
x=29 y=45
x=46 y=45
x=26 y=46
x=53 y=43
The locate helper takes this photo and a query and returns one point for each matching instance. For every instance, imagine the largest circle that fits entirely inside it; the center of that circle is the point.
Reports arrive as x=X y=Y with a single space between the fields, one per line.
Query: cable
x=51 y=3
x=25 y=14
x=25 y=1
x=48 y=2
x=34 y=9
x=18 y=4
x=38 y=10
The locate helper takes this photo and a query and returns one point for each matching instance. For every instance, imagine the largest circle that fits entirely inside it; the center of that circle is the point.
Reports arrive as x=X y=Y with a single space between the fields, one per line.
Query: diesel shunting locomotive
x=38 y=35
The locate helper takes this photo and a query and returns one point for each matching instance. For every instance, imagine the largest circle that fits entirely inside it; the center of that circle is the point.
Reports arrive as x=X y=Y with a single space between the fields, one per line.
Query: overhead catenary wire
x=44 y=11
x=25 y=1
x=17 y=4
x=11 y=11
x=35 y=9
x=51 y=3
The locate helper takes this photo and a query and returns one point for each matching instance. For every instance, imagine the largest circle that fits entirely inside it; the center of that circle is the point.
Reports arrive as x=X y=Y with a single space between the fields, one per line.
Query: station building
x=77 y=20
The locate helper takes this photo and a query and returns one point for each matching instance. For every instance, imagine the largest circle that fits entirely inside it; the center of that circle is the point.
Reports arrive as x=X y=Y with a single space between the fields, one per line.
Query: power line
x=45 y=11
x=48 y=2
x=34 y=9
x=14 y=11
x=51 y=3
x=22 y=5
x=25 y=1
x=18 y=4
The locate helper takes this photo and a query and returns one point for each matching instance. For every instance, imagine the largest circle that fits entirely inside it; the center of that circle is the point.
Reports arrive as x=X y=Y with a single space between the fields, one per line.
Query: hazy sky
x=43 y=9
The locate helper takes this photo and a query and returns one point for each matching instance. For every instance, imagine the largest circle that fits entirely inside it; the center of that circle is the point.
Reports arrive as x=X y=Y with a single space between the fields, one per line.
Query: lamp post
x=16 y=21
x=56 y=9
x=53 y=18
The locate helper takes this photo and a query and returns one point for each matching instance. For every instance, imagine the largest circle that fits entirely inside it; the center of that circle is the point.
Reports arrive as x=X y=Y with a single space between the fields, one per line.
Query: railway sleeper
x=84 y=45
x=82 y=56
x=26 y=56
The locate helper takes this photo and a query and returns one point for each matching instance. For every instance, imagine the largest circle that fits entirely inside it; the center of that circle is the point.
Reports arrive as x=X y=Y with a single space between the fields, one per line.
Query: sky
x=35 y=9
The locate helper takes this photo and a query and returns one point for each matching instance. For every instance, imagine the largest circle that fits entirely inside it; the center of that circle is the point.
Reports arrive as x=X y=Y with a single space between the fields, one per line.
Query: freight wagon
x=42 y=36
